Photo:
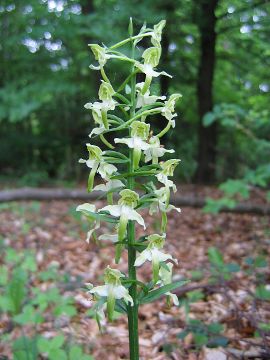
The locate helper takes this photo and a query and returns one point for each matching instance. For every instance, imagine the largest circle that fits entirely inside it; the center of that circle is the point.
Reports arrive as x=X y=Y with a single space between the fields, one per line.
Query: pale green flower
x=167 y=169
x=95 y=224
x=161 y=202
x=137 y=142
x=151 y=58
x=99 y=112
x=100 y=54
x=169 y=108
x=165 y=279
x=146 y=99
x=149 y=72
x=154 y=151
x=112 y=290
x=109 y=186
x=125 y=211
x=97 y=164
x=152 y=253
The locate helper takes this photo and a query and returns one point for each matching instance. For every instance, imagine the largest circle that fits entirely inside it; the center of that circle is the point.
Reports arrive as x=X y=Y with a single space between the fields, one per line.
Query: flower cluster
x=127 y=163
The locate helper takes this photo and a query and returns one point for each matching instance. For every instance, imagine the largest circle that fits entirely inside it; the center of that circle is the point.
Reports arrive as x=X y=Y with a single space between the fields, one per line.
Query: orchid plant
x=133 y=178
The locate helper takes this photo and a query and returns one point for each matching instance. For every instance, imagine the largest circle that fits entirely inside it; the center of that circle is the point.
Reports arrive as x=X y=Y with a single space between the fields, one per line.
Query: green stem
x=105 y=77
x=132 y=310
x=165 y=130
x=106 y=142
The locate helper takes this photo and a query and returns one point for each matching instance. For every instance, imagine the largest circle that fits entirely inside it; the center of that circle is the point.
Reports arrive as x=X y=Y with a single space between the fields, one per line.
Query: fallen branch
x=26 y=194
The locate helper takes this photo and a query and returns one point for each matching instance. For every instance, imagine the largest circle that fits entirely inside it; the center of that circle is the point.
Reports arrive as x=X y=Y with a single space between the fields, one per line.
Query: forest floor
x=57 y=235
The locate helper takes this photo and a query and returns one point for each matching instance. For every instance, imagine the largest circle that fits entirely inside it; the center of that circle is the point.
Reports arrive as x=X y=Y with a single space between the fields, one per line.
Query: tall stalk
x=134 y=107
x=132 y=310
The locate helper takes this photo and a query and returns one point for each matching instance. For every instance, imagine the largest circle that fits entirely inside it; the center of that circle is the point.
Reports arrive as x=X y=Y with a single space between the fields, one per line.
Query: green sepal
x=157 y=293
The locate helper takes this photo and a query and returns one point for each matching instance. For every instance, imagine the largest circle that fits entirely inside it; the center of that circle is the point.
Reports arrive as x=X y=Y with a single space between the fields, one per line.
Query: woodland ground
x=57 y=235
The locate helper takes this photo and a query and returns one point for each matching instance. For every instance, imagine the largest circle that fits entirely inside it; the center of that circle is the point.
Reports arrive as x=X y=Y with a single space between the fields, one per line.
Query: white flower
x=149 y=71
x=152 y=253
x=167 y=170
x=133 y=143
x=139 y=133
x=165 y=279
x=100 y=54
x=110 y=185
x=161 y=201
x=169 y=108
x=151 y=58
x=106 y=170
x=99 y=112
x=87 y=209
x=154 y=151
x=112 y=290
x=125 y=211
x=97 y=163
x=146 y=99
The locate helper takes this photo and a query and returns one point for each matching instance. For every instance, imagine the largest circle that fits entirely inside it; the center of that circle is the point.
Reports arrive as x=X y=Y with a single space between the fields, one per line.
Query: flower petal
x=114 y=210
x=134 y=215
x=102 y=290
x=145 y=255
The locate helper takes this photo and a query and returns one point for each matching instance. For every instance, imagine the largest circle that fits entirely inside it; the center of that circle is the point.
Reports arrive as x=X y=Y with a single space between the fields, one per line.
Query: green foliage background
x=45 y=80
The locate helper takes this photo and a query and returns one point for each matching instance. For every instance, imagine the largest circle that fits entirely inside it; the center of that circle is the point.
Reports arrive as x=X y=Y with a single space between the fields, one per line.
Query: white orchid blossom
x=109 y=186
x=151 y=58
x=87 y=208
x=161 y=202
x=167 y=170
x=125 y=211
x=152 y=253
x=101 y=108
x=169 y=108
x=97 y=163
x=101 y=55
x=112 y=290
x=154 y=151
x=165 y=275
x=146 y=98
x=137 y=142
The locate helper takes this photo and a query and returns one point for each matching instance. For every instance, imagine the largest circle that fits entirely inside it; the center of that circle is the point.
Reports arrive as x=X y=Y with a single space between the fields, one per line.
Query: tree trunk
x=207 y=136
